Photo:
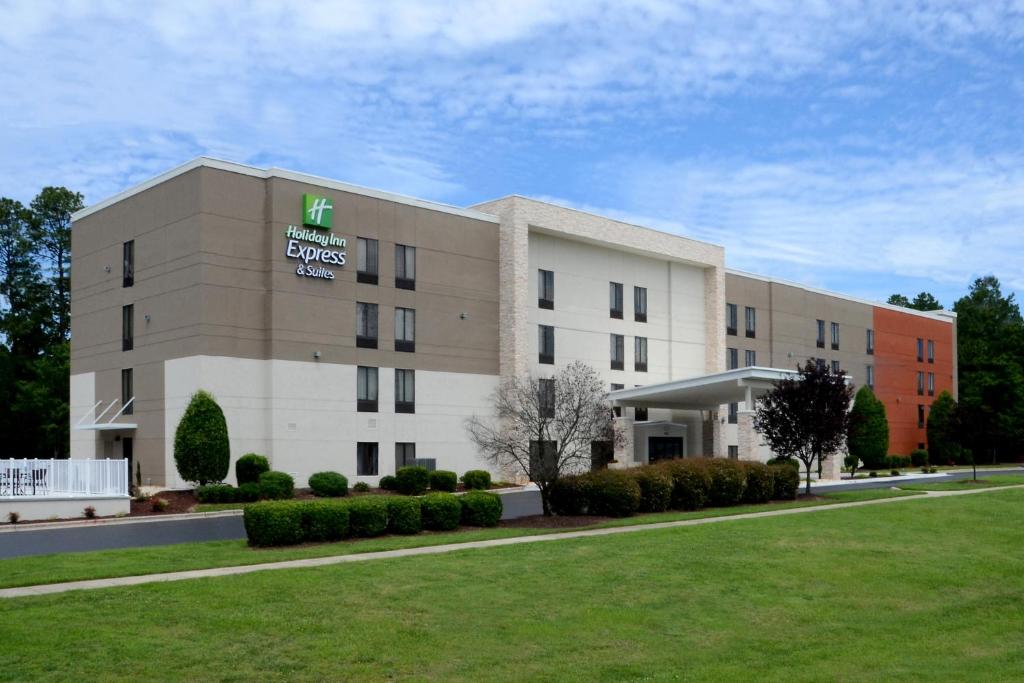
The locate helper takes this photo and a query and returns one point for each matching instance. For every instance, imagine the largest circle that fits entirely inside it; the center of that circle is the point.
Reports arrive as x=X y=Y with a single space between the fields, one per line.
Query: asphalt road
x=909 y=478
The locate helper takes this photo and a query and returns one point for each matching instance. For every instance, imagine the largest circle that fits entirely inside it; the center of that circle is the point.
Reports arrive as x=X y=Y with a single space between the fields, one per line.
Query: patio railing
x=61 y=478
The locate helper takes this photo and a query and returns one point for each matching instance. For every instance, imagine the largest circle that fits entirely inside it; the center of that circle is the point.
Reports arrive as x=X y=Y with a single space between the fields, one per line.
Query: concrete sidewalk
x=47 y=589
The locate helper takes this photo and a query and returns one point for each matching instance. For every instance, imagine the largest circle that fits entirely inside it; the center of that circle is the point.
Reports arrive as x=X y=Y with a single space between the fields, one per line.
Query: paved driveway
x=908 y=479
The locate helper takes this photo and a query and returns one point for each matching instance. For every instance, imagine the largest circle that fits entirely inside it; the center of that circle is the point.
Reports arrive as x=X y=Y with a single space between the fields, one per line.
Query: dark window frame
x=820 y=341
x=402 y=454
x=732 y=315
x=128 y=327
x=546 y=333
x=931 y=350
x=617 y=410
x=128 y=264
x=870 y=341
x=546 y=289
x=920 y=350
x=733 y=415
x=366 y=275
x=920 y=383
x=364 y=402
x=639 y=304
x=366 y=341
x=640 y=354
x=404 y=344
x=618 y=348
x=732 y=358
x=750 y=322
x=546 y=398
x=127 y=391
x=921 y=417
x=405 y=405
x=367 y=459
x=835 y=336
x=615 y=300
x=748 y=356
x=402 y=279
x=870 y=376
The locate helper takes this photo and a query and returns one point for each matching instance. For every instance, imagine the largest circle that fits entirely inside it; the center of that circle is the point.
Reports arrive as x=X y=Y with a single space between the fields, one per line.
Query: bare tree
x=544 y=428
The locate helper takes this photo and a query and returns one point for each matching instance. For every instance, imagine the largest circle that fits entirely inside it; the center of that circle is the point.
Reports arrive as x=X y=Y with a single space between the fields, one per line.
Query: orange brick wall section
x=896 y=368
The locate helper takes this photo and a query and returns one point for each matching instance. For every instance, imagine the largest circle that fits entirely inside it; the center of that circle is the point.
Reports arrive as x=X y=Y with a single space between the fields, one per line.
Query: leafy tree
x=51 y=231
x=202 y=451
x=867 y=438
x=922 y=302
x=545 y=431
x=944 y=430
x=898 y=300
x=805 y=417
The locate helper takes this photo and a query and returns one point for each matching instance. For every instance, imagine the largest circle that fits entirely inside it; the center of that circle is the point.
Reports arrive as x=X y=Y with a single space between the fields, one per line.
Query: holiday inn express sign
x=314 y=248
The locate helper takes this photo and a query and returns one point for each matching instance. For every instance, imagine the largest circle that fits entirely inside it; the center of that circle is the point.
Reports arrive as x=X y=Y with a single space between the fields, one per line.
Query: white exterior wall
x=81 y=402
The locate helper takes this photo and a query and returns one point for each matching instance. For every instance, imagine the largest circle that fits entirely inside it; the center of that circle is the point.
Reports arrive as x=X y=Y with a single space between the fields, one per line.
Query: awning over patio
x=703 y=392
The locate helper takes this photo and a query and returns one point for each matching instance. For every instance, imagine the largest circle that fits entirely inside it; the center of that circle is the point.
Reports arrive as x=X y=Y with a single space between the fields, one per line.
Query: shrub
x=89 y=512
x=441 y=511
x=790 y=462
x=216 y=493
x=13 y=517
x=760 y=483
x=404 y=516
x=159 y=504
x=919 y=457
x=481 y=508
x=202 y=452
x=477 y=479
x=248 y=492
x=443 y=480
x=872 y=474
x=368 y=516
x=933 y=469
x=249 y=467
x=569 y=495
x=898 y=461
x=655 y=489
x=613 y=493
x=412 y=481
x=323 y=520
x=360 y=487
x=785 y=481
x=867 y=435
x=728 y=482
x=273 y=523
x=388 y=483
x=329 y=484
x=690 y=484
x=276 y=485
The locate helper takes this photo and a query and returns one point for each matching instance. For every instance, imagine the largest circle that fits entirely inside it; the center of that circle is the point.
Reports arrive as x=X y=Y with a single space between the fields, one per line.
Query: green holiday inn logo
x=316 y=211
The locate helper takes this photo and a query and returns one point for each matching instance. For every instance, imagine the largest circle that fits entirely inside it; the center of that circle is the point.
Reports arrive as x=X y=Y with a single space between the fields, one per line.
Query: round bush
x=477 y=479
x=760 y=483
x=441 y=511
x=691 y=483
x=249 y=467
x=613 y=493
x=443 y=480
x=276 y=485
x=785 y=482
x=919 y=457
x=480 y=508
x=273 y=523
x=216 y=493
x=727 y=482
x=202 y=452
x=247 y=493
x=368 y=516
x=389 y=483
x=789 y=462
x=329 y=484
x=412 y=481
x=323 y=520
x=569 y=496
x=655 y=489
x=404 y=515
x=360 y=487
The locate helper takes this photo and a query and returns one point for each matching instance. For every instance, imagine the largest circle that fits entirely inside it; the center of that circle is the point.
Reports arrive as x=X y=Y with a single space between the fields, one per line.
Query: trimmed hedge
x=273 y=523
x=248 y=492
x=897 y=461
x=789 y=462
x=480 y=508
x=249 y=467
x=477 y=479
x=655 y=489
x=216 y=493
x=786 y=482
x=329 y=484
x=368 y=516
x=728 y=481
x=613 y=493
x=277 y=485
x=919 y=457
x=691 y=483
x=569 y=496
x=202 y=450
x=443 y=480
x=760 y=483
x=388 y=482
x=440 y=511
x=404 y=516
x=323 y=520
x=412 y=481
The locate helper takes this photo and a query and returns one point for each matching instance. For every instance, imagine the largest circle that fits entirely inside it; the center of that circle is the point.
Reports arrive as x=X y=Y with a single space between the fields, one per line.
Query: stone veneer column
x=832 y=466
x=712 y=435
x=514 y=283
x=746 y=435
x=714 y=317
x=624 y=453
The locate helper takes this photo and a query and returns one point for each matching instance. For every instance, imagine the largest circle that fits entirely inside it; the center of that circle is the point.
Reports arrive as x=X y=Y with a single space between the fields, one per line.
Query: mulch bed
x=178 y=502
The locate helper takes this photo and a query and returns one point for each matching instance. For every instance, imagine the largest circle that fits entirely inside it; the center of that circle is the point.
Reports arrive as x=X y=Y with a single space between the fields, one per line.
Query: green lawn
x=28 y=571
x=964 y=484
x=928 y=590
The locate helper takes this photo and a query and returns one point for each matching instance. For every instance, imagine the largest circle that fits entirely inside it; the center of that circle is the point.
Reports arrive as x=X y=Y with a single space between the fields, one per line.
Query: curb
x=115 y=521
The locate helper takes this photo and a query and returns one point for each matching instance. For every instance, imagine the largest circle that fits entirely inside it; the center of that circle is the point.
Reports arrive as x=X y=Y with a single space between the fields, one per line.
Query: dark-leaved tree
x=944 y=446
x=867 y=437
x=202 y=451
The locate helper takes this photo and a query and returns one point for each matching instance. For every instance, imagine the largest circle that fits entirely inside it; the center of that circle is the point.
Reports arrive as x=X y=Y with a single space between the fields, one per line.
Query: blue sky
x=856 y=146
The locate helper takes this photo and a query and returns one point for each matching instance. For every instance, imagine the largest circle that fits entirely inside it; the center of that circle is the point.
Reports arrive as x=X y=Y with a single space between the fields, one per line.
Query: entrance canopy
x=703 y=392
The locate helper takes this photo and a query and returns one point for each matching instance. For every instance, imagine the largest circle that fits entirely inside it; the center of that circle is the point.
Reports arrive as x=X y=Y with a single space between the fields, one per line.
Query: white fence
x=63 y=478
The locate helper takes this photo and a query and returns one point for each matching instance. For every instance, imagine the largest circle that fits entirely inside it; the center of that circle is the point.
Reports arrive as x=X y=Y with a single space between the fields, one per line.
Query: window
x=405 y=455
x=920 y=384
x=405 y=391
x=546 y=398
x=821 y=334
x=931 y=350
x=366 y=459
x=366 y=325
x=734 y=413
x=931 y=383
x=749 y=358
x=734 y=452
x=128 y=264
x=618 y=351
x=920 y=417
x=640 y=354
x=730 y=319
x=870 y=374
x=615 y=299
x=871 y=342
x=640 y=304
x=920 y=350
x=405 y=330
x=127 y=391
x=543 y=459
x=617 y=410
x=405 y=267
x=640 y=414
x=127 y=327
x=820 y=362
x=546 y=344
x=751 y=320
x=366 y=389
x=366 y=264
x=835 y=368
x=732 y=359
x=546 y=289
x=835 y=336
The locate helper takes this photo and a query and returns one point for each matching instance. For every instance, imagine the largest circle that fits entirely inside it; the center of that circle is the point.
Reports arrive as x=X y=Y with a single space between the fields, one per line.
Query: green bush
x=655 y=488
x=481 y=508
x=919 y=457
x=897 y=461
x=247 y=493
x=360 y=487
x=441 y=511
x=388 y=482
x=443 y=480
x=202 y=452
x=276 y=485
x=790 y=462
x=867 y=435
x=329 y=484
x=613 y=493
x=404 y=516
x=216 y=493
x=691 y=483
x=477 y=479
x=569 y=495
x=760 y=483
x=728 y=482
x=249 y=467
x=323 y=520
x=273 y=523
x=412 y=481
x=785 y=482
x=368 y=516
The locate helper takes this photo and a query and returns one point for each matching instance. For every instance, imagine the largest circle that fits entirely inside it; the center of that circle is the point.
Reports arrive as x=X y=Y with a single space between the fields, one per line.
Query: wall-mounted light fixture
x=146 y=317
x=463 y=316
x=316 y=355
x=106 y=268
